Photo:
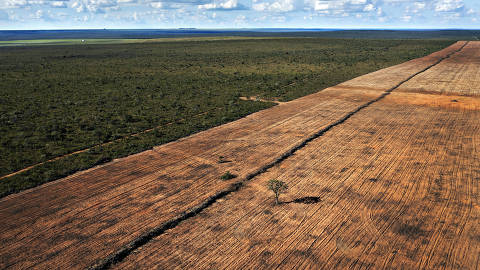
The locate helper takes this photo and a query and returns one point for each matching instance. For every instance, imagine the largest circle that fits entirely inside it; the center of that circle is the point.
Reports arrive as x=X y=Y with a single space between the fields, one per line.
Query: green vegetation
x=227 y=176
x=221 y=159
x=105 y=41
x=277 y=187
x=65 y=42
x=55 y=100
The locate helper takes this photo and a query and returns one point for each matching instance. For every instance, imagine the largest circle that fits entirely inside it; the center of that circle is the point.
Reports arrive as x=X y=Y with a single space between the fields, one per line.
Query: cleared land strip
x=389 y=77
x=458 y=75
x=75 y=221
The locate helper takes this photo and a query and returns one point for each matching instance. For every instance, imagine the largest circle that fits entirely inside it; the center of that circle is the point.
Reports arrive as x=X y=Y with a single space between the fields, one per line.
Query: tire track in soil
x=365 y=216
x=408 y=194
x=449 y=208
x=121 y=254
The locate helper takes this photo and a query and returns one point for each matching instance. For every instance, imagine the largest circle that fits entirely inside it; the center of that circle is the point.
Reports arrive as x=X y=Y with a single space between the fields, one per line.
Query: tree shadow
x=306 y=200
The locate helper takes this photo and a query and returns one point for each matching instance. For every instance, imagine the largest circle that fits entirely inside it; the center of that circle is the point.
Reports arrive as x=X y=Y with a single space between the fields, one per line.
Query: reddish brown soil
x=459 y=75
x=397 y=181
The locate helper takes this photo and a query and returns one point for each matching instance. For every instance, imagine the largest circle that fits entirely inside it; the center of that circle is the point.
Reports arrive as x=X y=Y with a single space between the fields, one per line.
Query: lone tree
x=277 y=187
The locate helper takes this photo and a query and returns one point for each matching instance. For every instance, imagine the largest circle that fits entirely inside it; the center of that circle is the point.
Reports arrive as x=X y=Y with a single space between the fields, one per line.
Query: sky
x=213 y=14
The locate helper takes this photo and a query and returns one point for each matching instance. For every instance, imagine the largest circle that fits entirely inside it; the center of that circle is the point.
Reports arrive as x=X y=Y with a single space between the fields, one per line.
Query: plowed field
x=393 y=160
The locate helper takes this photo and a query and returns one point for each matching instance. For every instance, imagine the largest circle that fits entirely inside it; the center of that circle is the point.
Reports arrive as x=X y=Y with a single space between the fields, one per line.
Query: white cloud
x=397 y=1
x=449 y=5
x=282 y=5
x=380 y=11
x=369 y=7
x=275 y=13
x=27 y=3
x=419 y=5
x=58 y=4
x=47 y=15
x=38 y=14
x=240 y=19
x=229 y=4
x=156 y=4
x=406 y=18
x=78 y=7
x=17 y=3
x=342 y=7
x=275 y=6
x=94 y=6
x=319 y=5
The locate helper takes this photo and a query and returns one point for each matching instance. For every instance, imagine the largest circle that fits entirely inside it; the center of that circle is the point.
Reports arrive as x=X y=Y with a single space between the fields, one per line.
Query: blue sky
x=82 y=14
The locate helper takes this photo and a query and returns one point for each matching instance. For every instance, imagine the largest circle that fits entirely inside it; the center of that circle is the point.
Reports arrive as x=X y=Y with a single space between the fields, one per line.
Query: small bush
x=228 y=176
x=412 y=231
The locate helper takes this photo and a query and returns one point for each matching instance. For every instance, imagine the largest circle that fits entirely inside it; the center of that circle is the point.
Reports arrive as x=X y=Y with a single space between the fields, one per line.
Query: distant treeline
x=187 y=32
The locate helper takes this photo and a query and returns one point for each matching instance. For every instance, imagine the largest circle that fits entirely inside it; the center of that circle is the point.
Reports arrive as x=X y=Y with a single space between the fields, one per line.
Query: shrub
x=228 y=176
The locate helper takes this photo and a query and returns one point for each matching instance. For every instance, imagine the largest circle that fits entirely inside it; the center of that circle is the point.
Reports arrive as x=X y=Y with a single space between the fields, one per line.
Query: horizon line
x=252 y=28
